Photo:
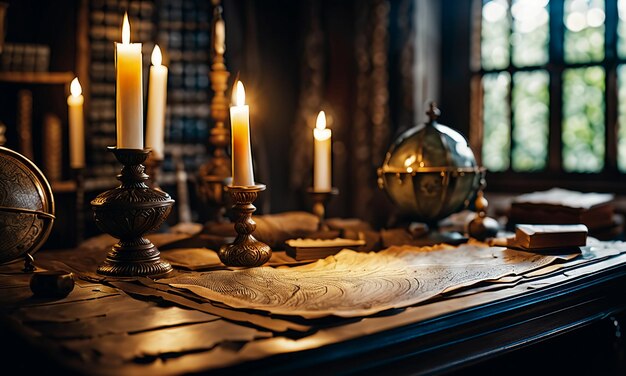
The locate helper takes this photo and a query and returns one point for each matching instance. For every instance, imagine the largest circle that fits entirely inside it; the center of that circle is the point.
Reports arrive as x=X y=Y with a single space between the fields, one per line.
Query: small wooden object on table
x=311 y=249
x=546 y=238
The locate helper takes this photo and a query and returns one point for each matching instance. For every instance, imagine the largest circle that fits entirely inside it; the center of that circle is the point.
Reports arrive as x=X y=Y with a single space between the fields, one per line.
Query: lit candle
x=220 y=37
x=77 y=125
x=157 y=97
x=129 y=91
x=322 y=166
x=243 y=174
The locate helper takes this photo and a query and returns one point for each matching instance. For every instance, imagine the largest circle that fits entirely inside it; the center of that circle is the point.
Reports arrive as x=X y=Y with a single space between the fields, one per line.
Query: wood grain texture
x=353 y=284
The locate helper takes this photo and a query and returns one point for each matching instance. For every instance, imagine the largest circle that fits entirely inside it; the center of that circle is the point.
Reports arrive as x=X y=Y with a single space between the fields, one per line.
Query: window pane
x=531 y=100
x=530 y=32
x=621 y=29
x=496 y=123
x=584 y=30
x=583 y=119
x=495 y=28
x=621 y=135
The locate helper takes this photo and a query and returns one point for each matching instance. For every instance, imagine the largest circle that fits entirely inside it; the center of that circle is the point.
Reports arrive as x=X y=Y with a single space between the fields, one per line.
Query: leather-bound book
x=561 y=206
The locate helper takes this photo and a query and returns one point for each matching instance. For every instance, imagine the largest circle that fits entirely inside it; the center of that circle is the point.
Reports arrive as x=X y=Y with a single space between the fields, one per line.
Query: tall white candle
x=157 y=98
x=77 y=125
x=243 y=174
x=129 y=91
x=322 y=156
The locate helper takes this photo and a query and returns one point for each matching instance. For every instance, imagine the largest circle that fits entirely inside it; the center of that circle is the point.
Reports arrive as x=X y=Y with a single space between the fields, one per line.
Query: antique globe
x=430 y=172
x=26 y=206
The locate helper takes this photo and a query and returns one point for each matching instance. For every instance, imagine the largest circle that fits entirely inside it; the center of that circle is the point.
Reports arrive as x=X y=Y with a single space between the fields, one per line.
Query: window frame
x=609 y=178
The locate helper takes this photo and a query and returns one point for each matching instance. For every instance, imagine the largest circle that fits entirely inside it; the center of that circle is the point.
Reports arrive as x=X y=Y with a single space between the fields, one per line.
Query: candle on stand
x=243 y=174
x=129 y=91
x=322 y=157
x=76 y=125
x=157 y=98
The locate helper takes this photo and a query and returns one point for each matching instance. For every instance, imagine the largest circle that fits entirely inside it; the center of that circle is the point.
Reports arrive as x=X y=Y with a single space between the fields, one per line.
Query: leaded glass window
x=553 y=86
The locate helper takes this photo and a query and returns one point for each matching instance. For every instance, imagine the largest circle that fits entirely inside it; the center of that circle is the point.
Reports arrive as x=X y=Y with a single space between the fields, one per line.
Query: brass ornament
x=430 y=171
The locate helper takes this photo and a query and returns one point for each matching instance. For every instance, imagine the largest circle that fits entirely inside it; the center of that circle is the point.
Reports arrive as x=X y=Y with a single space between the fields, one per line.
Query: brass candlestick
x=320 y=200
x=127 y=213
x=213 y=175
x=245 y=250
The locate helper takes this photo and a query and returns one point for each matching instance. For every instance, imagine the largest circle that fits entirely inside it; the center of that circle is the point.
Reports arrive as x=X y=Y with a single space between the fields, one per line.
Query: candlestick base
x=320 y=200
x=127 y=213
x=246 y=250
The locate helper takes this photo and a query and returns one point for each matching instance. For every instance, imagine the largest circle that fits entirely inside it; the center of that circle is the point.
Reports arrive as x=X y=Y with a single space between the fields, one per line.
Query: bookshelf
x=43 y=78
x=182 y=29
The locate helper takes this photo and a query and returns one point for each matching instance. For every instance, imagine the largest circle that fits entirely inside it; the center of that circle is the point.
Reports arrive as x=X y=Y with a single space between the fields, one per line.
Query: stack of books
x=561 y=206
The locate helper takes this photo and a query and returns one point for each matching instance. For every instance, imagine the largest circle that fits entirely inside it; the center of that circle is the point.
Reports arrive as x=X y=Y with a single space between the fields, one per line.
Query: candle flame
x=75 y=88
x=240 y=95
x=126 y=30
x=320 y=132
x=321 y=120
x=156 y=55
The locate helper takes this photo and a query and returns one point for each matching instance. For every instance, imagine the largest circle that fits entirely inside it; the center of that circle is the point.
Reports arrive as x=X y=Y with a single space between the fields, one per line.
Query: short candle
x=76 y=124
x=322 y=158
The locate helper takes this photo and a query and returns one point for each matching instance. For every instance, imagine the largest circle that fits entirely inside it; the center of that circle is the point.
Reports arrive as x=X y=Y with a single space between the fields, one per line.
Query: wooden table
x=513 y=328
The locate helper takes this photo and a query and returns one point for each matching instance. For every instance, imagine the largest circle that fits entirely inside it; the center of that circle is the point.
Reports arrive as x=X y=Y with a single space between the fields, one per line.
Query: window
x=550 y=80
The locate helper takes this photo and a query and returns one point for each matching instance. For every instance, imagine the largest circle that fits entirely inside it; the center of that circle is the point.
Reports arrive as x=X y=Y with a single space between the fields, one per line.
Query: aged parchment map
x=352 y=284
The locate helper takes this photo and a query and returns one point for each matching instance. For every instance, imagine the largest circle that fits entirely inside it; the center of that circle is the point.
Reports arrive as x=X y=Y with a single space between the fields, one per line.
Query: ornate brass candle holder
x=245 y=250
x=320 y=200
x=127 y=213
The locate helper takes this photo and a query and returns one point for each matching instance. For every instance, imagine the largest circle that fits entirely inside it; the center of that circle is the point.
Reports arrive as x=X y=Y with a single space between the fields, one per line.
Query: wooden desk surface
x=159 y=335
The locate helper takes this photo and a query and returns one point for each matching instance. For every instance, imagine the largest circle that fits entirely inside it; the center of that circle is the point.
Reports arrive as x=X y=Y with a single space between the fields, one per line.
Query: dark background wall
x=266 y=47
